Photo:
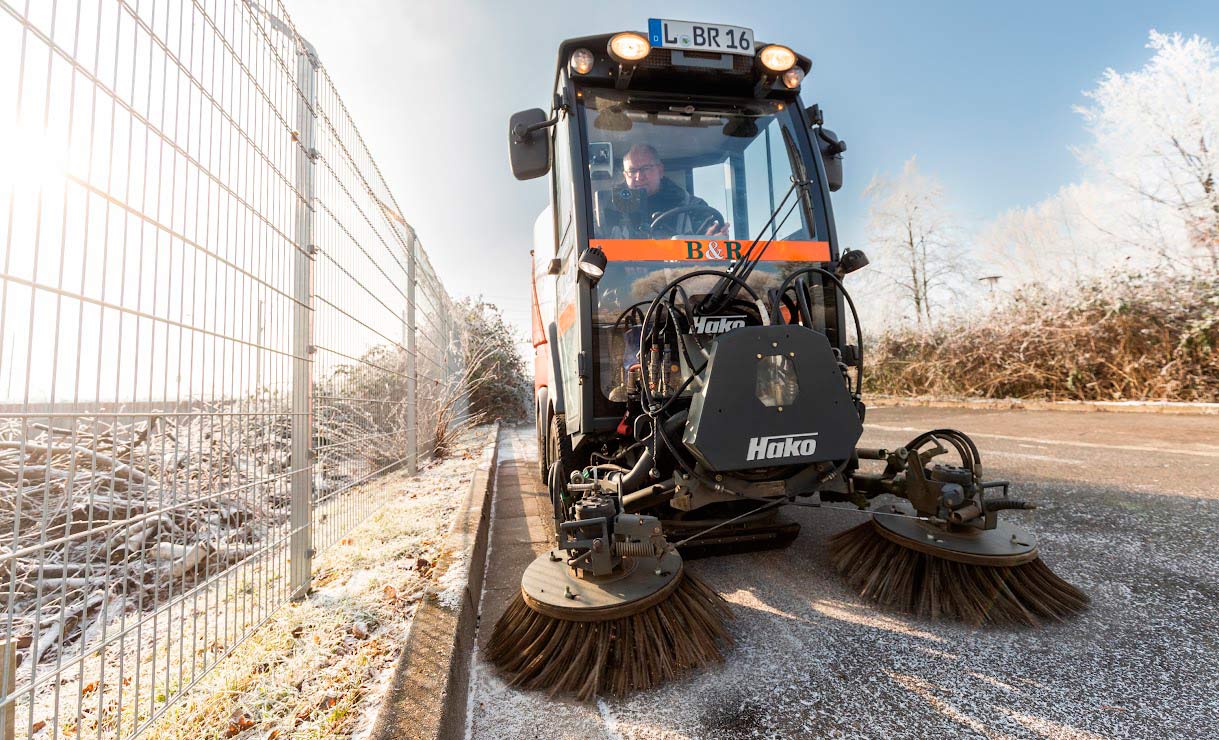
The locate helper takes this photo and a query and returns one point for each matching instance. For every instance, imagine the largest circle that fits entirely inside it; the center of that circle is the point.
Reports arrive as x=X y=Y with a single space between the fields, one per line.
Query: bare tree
x=1081 y=231
x=920 y=251
x=1157 y=135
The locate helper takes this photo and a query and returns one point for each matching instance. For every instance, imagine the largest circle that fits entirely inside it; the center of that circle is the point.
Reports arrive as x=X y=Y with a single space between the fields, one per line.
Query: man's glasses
x=641 y=170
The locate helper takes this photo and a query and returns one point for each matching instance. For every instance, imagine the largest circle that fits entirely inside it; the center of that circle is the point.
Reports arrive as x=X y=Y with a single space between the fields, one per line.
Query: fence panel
x=212 y=313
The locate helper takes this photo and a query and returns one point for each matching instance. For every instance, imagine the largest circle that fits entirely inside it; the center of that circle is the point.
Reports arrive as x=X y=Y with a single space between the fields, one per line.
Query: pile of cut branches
x=1129 y=337
x=103 y=513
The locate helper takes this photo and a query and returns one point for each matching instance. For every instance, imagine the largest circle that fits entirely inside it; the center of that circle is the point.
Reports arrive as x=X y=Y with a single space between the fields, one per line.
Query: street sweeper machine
x=699 y=367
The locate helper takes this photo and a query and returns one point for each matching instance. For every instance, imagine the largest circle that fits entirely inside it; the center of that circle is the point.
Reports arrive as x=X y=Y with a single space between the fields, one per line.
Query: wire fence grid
x=216 y=330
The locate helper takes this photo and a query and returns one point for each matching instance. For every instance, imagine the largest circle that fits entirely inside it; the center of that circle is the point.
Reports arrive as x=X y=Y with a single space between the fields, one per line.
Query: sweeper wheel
x=625 y=632
x=1006 y=545
x=931 y=570
x=550 y=587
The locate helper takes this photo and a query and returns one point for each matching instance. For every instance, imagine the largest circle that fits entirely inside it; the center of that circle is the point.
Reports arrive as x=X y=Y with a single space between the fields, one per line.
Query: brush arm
x=950 y=493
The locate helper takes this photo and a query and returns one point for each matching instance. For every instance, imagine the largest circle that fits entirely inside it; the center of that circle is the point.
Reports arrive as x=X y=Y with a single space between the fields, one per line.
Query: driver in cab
x=658 y=195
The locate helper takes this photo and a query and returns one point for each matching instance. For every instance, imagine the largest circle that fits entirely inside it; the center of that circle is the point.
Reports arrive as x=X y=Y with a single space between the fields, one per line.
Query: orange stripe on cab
x=567 y=317
x=708 y=250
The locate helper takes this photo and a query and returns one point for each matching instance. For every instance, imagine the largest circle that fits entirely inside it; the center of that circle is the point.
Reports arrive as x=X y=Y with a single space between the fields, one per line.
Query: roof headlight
x=592 y=263
x=581 y=61
x=628 y=47
x=793 y=77
x=777 y=58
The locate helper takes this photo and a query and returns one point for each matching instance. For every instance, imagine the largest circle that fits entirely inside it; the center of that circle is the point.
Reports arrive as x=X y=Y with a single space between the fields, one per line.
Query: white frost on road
x=452 y=585
x=813 y=660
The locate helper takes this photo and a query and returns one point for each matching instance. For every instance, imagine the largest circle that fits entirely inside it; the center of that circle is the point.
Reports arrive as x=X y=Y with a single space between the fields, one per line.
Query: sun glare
x=31 y=159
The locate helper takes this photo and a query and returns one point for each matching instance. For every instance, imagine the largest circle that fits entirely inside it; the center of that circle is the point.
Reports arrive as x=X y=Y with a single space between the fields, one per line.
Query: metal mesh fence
x=215 y=328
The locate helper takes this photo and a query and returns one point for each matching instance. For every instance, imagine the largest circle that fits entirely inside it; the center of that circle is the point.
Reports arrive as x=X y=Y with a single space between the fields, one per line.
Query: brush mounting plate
x=553 y=588
x=1005 y=545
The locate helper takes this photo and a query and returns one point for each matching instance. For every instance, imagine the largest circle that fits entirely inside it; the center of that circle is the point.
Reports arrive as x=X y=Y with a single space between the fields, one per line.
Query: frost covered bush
x=1130 y=337
x=364 y=401
x=499 y=385
x=478 y=376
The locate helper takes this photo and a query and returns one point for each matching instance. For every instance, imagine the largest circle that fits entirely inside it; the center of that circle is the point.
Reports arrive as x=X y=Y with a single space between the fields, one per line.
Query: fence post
x=301 y=544
x=412 y=367
x=8 y=685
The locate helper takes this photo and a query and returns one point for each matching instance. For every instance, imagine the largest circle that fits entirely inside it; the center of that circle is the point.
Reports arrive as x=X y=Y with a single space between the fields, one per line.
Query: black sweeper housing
x=774 y=395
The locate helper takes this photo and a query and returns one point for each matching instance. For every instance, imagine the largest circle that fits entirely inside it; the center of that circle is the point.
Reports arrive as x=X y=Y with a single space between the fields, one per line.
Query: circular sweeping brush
x=931 y=570
x=630 y=631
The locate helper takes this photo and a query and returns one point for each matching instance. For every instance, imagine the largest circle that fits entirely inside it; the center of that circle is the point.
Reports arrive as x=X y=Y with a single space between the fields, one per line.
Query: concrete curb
x=427 y=695
x=1121 y=407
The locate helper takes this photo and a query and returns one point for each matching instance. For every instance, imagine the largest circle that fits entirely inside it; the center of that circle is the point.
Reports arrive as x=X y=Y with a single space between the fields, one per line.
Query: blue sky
x=981 y=92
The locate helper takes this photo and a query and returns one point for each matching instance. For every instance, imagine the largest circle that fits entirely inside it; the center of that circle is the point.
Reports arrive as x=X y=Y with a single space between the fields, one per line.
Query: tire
x=560 y=464
x=542 y=425
x=558 y=445
x=555 y=482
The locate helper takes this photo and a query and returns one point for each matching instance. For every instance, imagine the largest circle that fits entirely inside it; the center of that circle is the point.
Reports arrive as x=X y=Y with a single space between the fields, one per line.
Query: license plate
x=667 y=34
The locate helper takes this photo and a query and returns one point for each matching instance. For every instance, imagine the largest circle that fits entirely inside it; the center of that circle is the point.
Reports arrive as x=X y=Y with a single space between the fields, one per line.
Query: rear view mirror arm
x=521 y=132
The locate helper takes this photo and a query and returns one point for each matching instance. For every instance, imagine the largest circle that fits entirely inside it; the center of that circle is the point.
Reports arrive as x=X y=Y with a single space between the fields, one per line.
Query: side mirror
x=528 y=145
x=831 y=156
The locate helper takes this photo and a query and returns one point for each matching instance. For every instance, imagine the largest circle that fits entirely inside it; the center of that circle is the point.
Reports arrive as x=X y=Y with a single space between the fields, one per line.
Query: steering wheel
x=710 y=217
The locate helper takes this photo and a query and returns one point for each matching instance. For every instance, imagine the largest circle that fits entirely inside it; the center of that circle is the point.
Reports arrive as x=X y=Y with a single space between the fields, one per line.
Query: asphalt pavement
x=1128 y=511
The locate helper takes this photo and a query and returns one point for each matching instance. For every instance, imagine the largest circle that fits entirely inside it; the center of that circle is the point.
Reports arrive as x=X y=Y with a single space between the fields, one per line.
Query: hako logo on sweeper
x=781 y=446
x=717 y=324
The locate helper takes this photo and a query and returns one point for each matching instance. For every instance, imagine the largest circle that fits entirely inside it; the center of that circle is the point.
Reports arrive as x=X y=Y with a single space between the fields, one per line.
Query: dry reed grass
x=1129 y=337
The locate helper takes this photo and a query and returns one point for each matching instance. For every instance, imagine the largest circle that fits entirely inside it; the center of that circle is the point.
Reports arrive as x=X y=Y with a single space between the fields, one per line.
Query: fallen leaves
x=239 y=722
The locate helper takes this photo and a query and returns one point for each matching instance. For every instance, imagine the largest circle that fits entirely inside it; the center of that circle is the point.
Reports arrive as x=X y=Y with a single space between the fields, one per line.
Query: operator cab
x=683 y=149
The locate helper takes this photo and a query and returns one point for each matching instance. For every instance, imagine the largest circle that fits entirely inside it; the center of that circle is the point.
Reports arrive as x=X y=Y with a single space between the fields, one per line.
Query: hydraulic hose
x=649 y=324
x=850 y=302
x=640 y=473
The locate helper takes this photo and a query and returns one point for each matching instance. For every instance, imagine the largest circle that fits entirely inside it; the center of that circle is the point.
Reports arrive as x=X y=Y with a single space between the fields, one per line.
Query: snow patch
x=611 y=723
x=453 y=583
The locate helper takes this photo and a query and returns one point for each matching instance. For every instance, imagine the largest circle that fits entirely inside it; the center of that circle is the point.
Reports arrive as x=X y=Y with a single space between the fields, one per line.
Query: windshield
x=677 y=187
x=660 y=169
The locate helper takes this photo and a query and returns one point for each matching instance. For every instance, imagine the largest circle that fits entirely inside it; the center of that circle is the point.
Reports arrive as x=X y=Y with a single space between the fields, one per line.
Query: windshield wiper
x=727 y=288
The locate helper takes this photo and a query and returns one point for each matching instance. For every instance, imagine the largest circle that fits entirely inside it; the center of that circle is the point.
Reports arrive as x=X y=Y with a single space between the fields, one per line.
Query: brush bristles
x=929 y=586
x=617 y=656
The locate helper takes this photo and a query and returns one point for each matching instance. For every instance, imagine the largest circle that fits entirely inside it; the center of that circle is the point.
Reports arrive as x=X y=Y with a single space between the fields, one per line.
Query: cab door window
x=564 y=202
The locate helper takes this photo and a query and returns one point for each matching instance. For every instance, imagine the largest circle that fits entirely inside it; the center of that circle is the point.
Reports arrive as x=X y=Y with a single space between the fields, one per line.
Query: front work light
x=793 y=77
x=592 y=263
x=628 y=47
x=777 y=58
x=581 y=61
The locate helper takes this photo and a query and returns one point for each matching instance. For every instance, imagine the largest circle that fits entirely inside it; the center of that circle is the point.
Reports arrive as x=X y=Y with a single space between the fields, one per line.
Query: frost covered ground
x=1128 y=512
x=319 y=669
